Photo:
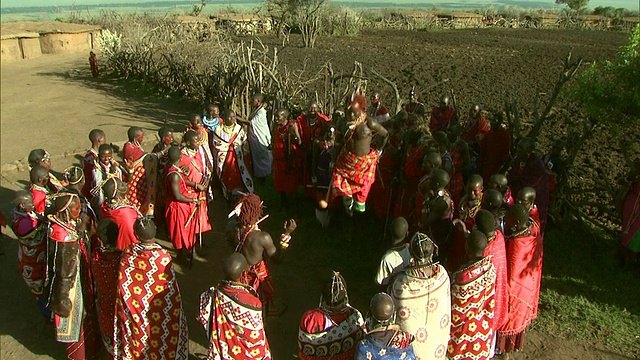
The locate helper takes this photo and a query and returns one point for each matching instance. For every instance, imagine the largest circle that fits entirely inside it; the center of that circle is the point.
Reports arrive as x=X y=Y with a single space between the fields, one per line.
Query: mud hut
x=28 y=40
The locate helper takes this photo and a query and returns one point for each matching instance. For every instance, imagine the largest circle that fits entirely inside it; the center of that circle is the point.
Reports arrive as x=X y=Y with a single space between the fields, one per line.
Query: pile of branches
x=191 y=59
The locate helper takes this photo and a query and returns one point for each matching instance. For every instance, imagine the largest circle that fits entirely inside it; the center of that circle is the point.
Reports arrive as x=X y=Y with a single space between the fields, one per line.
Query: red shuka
x=177 y=214
x=124 y=216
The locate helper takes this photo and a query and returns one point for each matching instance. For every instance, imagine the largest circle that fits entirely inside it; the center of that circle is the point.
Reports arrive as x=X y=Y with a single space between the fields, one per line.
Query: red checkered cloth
x=354 y=174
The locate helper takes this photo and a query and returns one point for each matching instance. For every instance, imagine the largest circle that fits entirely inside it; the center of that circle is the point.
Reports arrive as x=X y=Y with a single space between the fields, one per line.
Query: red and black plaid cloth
x=354 y=174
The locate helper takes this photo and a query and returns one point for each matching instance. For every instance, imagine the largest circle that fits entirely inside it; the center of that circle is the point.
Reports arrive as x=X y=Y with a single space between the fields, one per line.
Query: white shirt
x=393 y=261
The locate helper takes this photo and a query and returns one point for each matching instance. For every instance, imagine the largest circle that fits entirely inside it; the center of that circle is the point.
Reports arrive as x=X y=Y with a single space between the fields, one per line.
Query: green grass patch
x=585 y=295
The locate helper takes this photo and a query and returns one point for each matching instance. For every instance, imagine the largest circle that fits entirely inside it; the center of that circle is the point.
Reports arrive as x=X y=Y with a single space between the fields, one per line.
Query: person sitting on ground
x=442 y=115
x=398 y=257
x=384 y=340
x=332 y=330
x=231 y=314
x=421 y=294
x=30 y=229
x=42 y=158
x=254 y=244
x=472 y=304
x=149 y=320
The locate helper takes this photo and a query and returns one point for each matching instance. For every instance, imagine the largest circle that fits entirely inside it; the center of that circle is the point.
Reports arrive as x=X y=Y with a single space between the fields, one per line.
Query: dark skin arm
x=260 y=242
x=174 y=182
x=379 y=129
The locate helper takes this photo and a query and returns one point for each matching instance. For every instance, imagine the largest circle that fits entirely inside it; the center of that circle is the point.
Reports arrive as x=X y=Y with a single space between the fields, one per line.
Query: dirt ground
x=52 y=102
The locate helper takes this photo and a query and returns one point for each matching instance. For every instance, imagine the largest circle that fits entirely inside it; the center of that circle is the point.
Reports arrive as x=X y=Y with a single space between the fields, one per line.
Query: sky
x=629 y=4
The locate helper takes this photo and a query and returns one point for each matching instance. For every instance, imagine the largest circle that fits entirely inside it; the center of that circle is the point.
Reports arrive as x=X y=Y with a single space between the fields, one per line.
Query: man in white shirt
x=397 y=258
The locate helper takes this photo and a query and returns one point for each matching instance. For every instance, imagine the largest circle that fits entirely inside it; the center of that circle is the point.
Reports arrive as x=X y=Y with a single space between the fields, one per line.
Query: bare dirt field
x=52 y=103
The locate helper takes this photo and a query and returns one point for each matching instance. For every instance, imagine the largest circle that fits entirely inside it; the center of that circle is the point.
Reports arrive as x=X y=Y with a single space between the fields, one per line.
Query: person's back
x=332 y=330
x=422 y=298
x=231 y=314
x=472 y=304
x=384 y=339
x=149 y=318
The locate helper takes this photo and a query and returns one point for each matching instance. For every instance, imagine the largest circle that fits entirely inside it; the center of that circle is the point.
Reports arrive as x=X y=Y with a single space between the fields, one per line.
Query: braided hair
x=422 y=249
x=334 y=293
x=74 y=175
x=251 y=210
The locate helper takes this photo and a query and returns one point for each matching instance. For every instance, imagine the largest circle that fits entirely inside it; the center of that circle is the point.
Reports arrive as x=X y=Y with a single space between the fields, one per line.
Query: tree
x=575 y=5
x=303 y=14
x=610 y=91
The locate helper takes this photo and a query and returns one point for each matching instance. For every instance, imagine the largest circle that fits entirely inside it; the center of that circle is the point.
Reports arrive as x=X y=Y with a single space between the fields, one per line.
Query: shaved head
x=476 y=243
x=439 y=177
x=39 y=174
x=399 y=230
x=517 y=218
x=96 y=135
x=486 y=222
x=498 y=182
x=492 y=200
x=526 y=197
x=382 y=307
x=432 y=160
x=145 y=229
x=234 y=266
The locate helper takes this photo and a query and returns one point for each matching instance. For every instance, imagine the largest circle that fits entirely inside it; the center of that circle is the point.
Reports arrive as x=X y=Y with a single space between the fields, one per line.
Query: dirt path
x=52 y=102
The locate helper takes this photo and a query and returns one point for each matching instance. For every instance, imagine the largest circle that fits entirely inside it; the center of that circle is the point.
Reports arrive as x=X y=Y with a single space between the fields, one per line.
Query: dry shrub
x=191 y=59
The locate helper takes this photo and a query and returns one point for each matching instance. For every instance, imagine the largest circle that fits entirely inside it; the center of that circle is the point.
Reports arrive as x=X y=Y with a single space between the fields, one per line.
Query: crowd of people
x=461 y=280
